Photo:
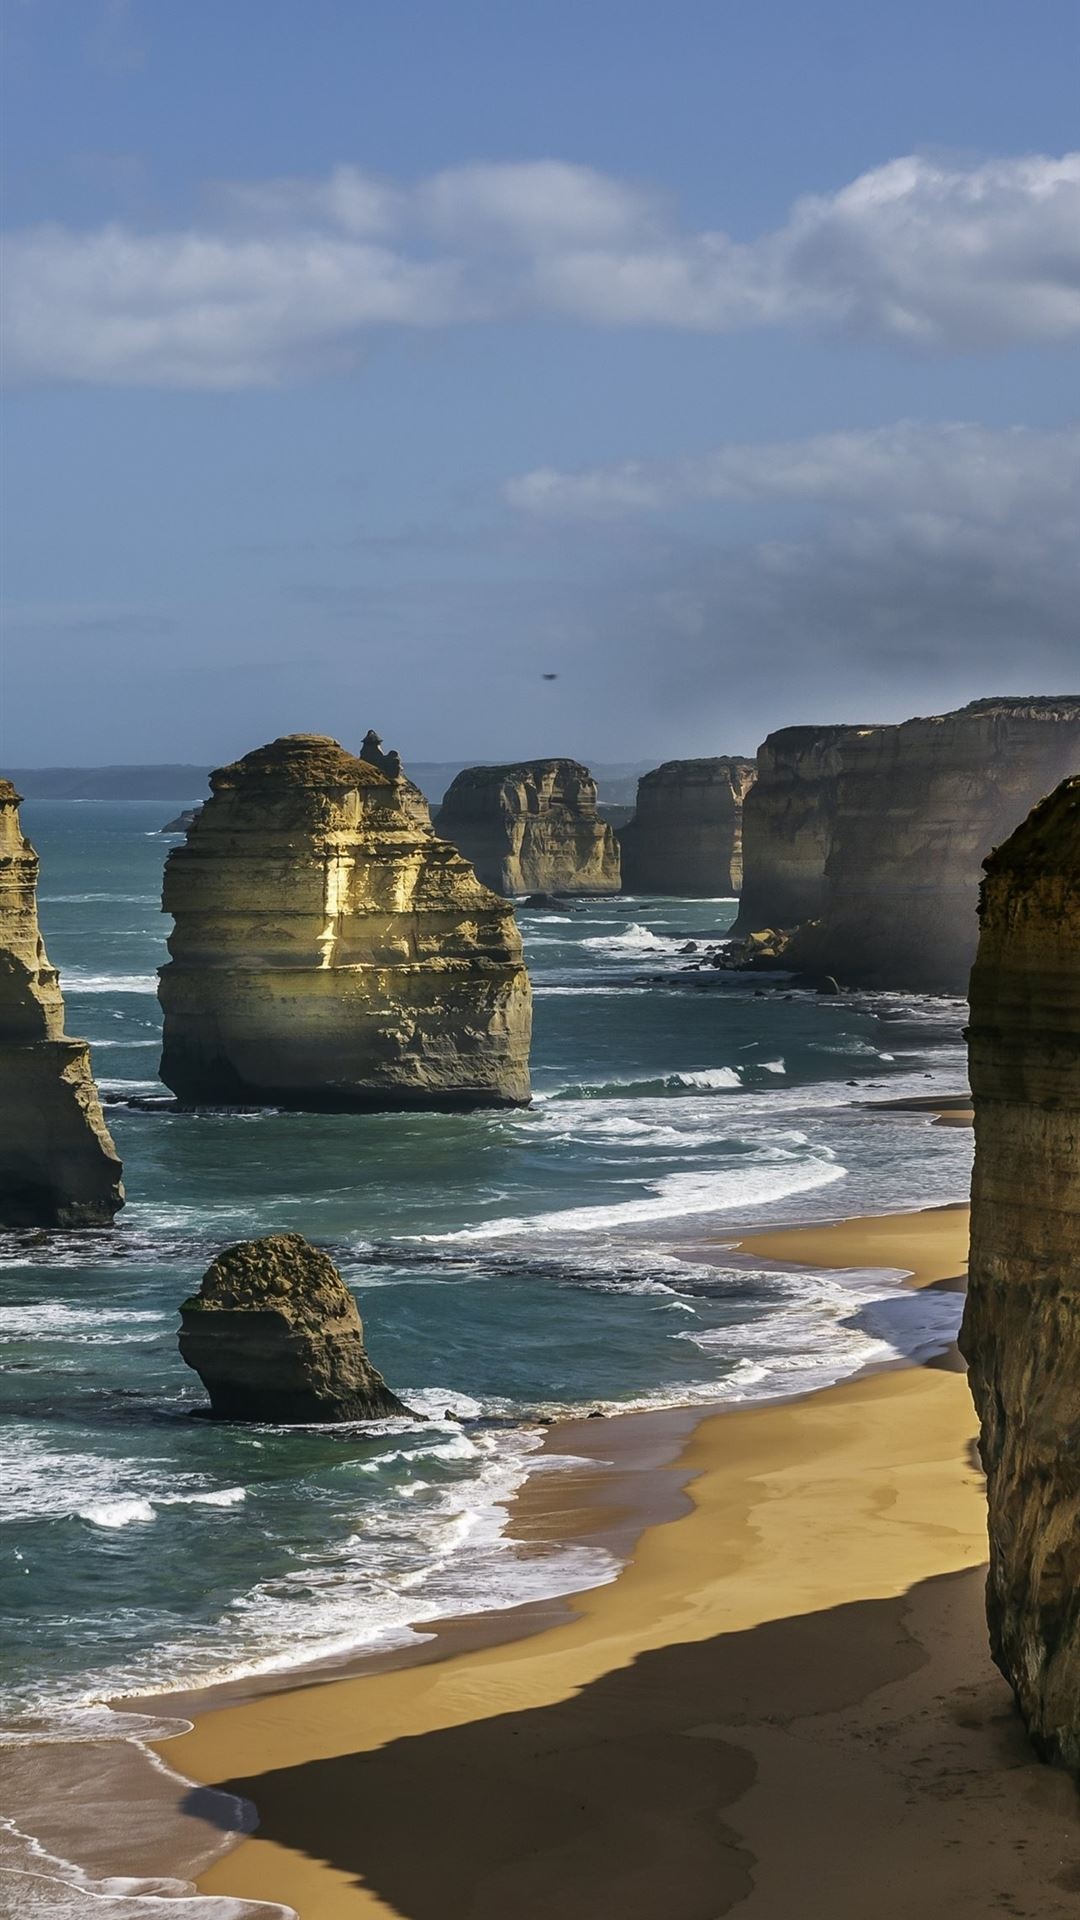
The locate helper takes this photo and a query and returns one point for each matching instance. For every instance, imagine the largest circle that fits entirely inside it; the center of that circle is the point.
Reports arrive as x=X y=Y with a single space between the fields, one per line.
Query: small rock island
x=58 y=1165
x=329 y=951
x=274 y=1335
x=1021 y=1331
x=686 y=834
x=532 y=828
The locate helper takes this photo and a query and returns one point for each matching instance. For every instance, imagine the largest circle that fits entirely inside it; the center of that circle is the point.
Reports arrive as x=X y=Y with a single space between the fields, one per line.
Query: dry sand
x=782 y=1707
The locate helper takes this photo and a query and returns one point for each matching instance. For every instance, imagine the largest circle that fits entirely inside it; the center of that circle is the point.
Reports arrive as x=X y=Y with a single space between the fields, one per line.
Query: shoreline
x=873 y=1509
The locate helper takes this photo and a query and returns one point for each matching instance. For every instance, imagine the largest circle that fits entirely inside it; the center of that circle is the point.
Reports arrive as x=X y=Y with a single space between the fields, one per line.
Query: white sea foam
x=674 y=1196
x=75 y=981
x=53 y=1320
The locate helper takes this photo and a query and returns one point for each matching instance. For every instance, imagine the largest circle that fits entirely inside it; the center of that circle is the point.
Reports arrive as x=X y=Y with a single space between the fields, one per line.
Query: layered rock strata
x=876 y=834
x=58 y=1165
x=274 y=1334
x=532 y=828
x=918 y=807
x=787 y=826
x=1021 y=1331
x=330 y=951
x=686 y=836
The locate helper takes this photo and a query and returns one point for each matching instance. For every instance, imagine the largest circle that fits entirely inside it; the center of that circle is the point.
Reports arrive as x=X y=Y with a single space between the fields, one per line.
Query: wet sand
x=783 y=1705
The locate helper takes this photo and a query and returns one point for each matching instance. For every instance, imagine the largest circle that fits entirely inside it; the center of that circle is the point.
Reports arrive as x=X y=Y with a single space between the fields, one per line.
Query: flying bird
x=550 y=676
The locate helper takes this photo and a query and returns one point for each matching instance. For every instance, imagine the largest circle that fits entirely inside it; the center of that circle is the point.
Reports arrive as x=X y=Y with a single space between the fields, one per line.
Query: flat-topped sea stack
x=58 y=1165
x=787 y=826
x=918 y=808
x=1021 y=1331
x=330 y=951
x=532 y=828
x=686 y=833
x=274 y=1334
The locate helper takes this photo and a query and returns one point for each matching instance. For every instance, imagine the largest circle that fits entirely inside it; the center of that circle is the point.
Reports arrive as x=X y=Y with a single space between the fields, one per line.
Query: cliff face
x=532 y=828
x=274 y=1334
x=787 y=826
x=918 y=807
x=1021 y=1332
x=58 y=1165
x=330 y=951
x=686 y=834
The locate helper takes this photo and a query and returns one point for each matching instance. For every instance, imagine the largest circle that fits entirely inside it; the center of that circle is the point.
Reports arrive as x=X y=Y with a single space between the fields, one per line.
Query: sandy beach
x=783 y=1705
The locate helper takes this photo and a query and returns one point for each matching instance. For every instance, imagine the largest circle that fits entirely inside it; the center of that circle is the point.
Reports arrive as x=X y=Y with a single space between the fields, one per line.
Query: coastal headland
x=799 y=1653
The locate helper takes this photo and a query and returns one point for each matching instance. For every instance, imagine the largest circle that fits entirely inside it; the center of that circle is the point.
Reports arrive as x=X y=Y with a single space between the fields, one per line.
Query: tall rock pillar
x=1021 y=1331
x=58 y=1165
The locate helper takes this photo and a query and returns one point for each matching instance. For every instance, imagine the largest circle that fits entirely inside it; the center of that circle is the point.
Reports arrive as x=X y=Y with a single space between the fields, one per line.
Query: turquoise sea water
x=509 y=1267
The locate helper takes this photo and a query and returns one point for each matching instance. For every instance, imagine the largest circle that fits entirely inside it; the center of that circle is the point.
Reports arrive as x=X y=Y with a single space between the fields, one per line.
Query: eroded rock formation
x=532 y=828
x=787 y=826
x=686 y=834
x=330 y=951
x=904 y=816
x=274 y=1334
x=58 y=1165
x=1021 y=1332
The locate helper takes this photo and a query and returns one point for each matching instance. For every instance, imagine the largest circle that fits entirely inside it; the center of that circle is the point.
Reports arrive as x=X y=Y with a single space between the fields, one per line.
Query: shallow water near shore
x=510 y=1268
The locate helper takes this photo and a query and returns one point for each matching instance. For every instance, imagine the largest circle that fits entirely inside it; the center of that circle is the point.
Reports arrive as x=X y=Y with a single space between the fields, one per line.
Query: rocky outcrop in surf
x=532 y=828
x=787 y=826
x=1021 y=1331
x=330 y=951
x=905 y=815
x=686 y=834
x=274 y=1335
x=58 y=1165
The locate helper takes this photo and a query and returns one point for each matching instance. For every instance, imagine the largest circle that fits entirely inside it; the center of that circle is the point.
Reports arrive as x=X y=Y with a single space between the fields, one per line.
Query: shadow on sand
x=611 y=1802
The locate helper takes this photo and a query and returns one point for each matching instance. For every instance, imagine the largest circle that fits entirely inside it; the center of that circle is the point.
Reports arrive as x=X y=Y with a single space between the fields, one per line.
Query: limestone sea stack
x=274 y=1334
x=787 y=826
x=686 y=833
x=918 y=808
x=58 y=1165
x=532 y=828
x=1021 y=1331
x=329 y=951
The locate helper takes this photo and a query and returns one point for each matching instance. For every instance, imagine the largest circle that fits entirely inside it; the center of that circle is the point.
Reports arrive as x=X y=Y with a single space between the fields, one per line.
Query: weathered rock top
x=307 y=760
x=281 y=1273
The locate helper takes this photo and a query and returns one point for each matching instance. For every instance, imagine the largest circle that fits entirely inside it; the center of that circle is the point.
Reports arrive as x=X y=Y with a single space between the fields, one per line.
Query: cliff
x=330 y=951
x=787 y=826
x=686 y=834
x=1021 y=1332
x=532 y=828
x=918 y=807
x=274 y=1334
x=877 y=834
x=58 y=1165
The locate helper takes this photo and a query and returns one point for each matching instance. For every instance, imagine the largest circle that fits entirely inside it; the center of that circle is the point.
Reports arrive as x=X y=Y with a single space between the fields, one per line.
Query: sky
x=366 y=364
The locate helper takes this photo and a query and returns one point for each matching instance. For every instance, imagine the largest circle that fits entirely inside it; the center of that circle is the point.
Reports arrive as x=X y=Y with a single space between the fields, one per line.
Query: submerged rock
x=58 y=1165
x=274 y=1334
x=532 y=828
x=686 y=834
x=330 y=951
x=1021 y=1330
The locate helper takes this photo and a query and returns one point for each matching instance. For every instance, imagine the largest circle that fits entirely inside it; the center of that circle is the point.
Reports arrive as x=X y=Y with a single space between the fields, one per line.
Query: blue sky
x=366 y=362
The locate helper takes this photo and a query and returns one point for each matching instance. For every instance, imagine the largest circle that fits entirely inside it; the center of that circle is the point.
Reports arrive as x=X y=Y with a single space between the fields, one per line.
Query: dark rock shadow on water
x=610 y=1803
x=920 y=1324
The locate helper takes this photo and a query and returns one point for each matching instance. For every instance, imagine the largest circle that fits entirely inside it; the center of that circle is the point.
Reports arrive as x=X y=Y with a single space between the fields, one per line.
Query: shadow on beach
x=613 y=1802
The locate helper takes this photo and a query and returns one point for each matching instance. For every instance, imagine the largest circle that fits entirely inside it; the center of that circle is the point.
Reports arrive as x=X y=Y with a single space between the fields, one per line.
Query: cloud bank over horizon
x=288 y=278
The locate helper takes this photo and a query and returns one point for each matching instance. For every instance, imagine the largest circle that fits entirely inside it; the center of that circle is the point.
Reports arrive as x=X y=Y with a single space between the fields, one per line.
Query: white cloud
x=952 y=471
x=285 y=277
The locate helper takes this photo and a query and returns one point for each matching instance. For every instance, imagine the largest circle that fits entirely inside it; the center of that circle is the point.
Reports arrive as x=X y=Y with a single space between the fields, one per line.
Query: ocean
x=511 y=1268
